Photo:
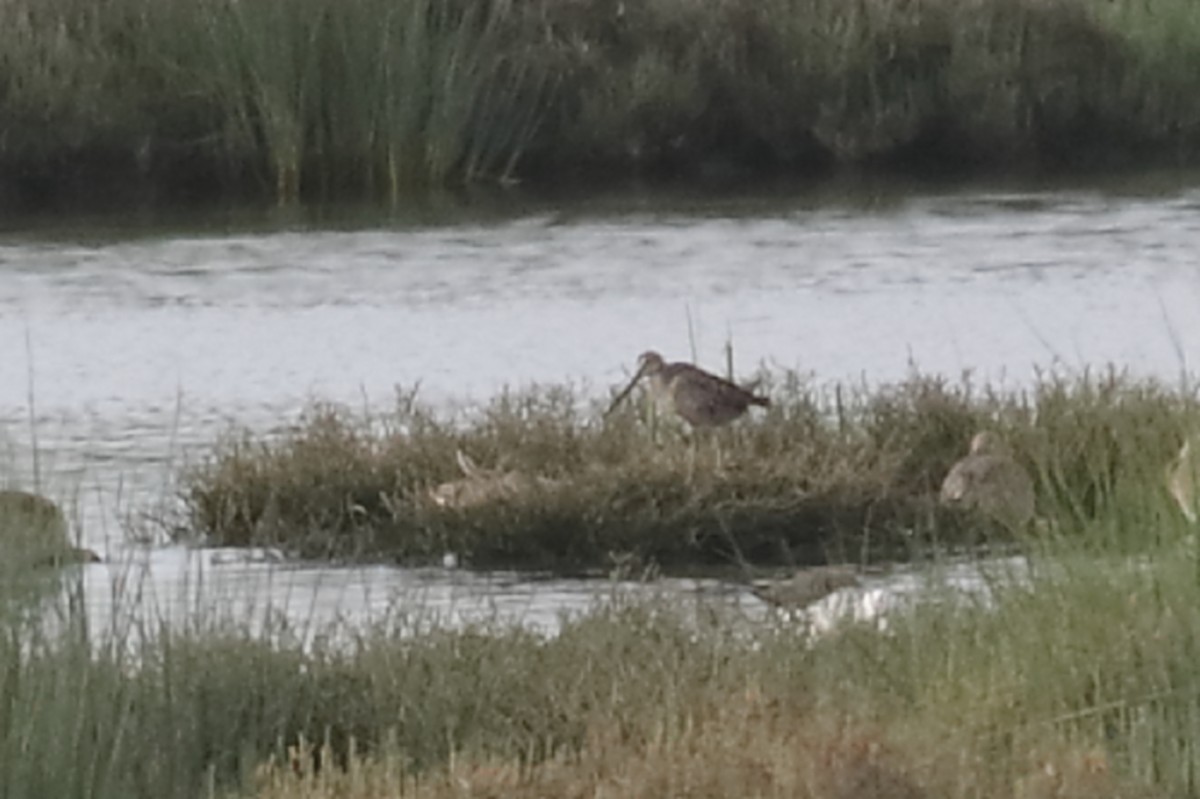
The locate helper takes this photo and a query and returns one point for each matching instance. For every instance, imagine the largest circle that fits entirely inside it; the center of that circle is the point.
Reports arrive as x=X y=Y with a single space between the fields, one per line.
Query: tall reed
x=321 y=98
x=346 y=95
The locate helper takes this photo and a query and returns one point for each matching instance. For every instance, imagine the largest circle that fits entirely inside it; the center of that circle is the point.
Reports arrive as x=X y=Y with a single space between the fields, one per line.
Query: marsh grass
x=316 y=98
x=845 y=473
x=366 y=96
x=1076 y=679
x=1079 y=682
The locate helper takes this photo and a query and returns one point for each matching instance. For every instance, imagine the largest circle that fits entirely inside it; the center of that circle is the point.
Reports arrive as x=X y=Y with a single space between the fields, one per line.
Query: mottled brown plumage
x=807 y=586
x=699 y=398
x=484 y=486
x=989 y=481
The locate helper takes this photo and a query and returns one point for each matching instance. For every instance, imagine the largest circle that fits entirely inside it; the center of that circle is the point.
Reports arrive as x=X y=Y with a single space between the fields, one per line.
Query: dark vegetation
x=332 y=98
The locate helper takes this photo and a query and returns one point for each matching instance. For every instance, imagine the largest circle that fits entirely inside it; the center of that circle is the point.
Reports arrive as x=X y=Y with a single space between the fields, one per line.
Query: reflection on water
x=146 y=339
x=174 y=587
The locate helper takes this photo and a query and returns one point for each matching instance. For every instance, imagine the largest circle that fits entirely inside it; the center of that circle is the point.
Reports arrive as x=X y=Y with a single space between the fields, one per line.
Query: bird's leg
x=691 y=456
x=715 y=438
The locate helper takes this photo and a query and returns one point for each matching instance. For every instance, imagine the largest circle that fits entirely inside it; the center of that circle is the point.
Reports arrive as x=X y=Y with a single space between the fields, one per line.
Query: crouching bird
x=807 y=586
x=991 y=482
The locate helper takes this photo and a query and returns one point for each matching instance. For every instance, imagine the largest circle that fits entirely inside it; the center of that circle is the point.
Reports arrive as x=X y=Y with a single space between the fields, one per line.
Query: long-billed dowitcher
x=698 y=397
x=1182 y=477
x=991 y=482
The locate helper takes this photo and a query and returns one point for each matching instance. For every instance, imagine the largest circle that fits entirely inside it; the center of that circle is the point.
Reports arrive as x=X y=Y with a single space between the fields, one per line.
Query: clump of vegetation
x=320 y=98
x=844 y=473
x=278 y=96
x=1073 y=678
x=1078 y=683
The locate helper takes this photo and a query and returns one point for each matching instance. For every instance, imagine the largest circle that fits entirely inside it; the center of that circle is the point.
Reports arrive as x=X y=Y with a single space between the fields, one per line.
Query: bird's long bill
x=625 y=392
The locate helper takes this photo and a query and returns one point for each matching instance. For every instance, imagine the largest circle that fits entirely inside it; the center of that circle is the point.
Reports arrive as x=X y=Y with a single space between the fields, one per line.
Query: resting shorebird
x=482 y=486
x=806 y=586
x=1182 y=477
x=699 y=398
x=991 y=482
x=823 y=598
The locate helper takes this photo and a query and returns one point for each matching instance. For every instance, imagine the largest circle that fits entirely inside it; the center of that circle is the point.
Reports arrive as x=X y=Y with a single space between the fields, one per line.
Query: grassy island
x=842 y=472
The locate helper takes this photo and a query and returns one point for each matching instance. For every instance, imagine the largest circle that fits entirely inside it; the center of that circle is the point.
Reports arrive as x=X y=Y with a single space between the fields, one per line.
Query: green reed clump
x=664 y=84
x=850 y=472
x=304 y=97
x=59 y=68
x=317 y=98
x=1163 y=39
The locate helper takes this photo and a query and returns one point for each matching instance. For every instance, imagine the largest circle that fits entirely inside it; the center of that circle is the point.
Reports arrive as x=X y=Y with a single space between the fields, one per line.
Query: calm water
x=141 y=337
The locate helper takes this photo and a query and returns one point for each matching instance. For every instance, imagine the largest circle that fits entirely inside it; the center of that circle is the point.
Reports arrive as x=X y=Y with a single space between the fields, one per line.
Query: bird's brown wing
x=808 y=586
x=688 y=372
x=703 y=398
x=994 y=484
x=1001 y=471
x=957 y=482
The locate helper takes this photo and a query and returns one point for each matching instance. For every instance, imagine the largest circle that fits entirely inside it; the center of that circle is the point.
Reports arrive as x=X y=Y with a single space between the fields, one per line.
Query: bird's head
x=649 y=363
x=985 y=442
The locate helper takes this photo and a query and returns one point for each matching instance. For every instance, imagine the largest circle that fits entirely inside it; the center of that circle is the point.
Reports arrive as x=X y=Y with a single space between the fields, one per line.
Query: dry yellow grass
x=746 y=747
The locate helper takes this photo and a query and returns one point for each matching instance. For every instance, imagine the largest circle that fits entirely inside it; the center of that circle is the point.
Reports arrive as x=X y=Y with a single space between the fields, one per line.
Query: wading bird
x=1182 y=476
x=989 y=481
x=806 y=586
x=699 y=398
